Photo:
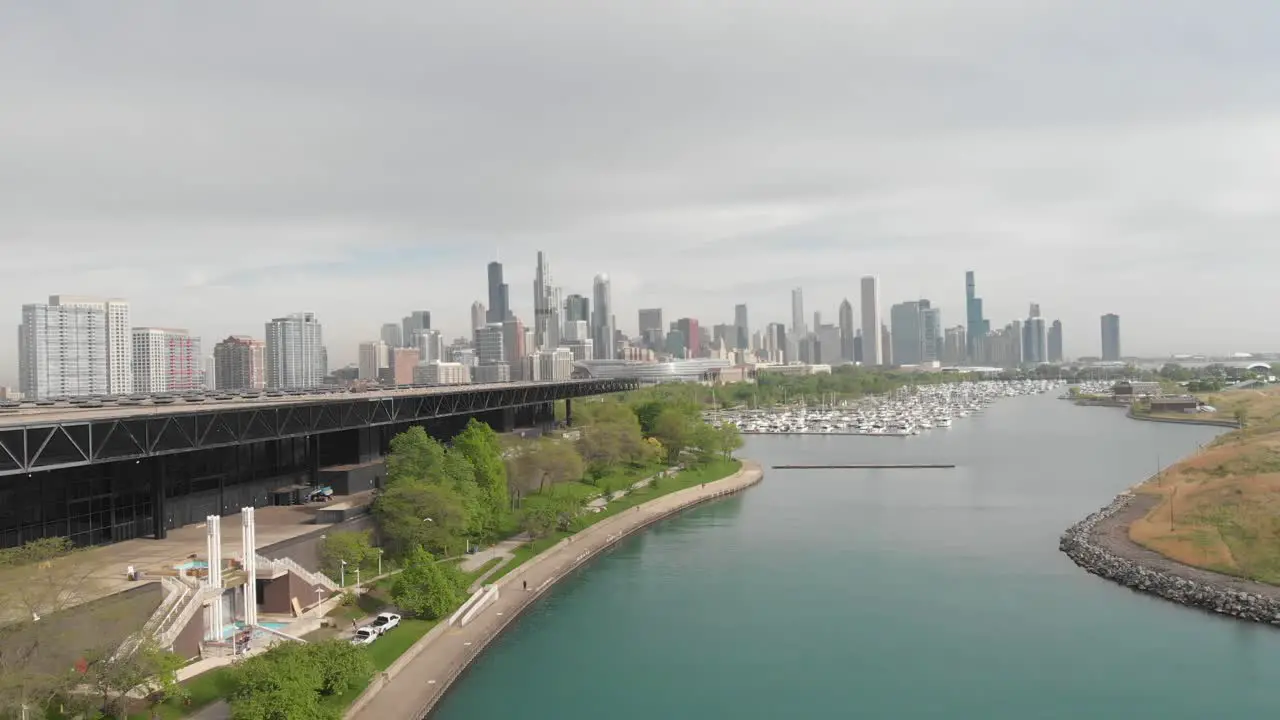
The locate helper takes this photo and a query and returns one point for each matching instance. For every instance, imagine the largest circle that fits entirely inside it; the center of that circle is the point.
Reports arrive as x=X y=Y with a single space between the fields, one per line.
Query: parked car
x=365 y=636
x=385 y=621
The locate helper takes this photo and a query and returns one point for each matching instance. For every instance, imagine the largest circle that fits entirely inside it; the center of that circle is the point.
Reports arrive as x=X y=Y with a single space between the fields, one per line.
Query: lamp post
x=357 y=576
x=342 y=573
x=319 y=600
x=379 y=562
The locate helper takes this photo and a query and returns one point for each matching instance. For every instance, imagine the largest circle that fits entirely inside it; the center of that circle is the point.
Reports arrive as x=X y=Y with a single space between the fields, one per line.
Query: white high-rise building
x=119 y=338
x=165 y=360
x=871 y=325
x=430 y=346
x=374 y=356
x=62 y=351
x=295 y=355
x=797 y=314
x=478 y=314
x=546 y=308
x=489 y=345
x=555 y=365
x=603 y=328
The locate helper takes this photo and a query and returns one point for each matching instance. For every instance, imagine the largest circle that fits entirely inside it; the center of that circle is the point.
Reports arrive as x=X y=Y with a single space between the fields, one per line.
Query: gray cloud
x=223 y=163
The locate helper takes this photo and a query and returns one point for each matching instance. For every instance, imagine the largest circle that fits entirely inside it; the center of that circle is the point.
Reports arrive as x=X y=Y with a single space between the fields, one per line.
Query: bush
x=426 y=589
x=287 y=681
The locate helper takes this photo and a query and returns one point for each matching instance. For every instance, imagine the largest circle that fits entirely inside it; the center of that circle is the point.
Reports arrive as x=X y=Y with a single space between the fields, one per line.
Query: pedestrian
x=353 y=625
x=526 y=585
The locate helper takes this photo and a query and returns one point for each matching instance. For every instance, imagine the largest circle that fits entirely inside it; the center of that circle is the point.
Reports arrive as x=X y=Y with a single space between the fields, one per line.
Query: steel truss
x=67 y=443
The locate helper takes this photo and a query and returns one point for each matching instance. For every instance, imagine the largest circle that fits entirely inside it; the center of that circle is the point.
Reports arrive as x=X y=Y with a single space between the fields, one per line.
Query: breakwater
x=890 y=466
x=1083 y=544
x=1189 y=420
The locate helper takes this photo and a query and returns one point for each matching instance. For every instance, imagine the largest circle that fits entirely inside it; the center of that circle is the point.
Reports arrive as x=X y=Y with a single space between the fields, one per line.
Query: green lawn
x=391 y=646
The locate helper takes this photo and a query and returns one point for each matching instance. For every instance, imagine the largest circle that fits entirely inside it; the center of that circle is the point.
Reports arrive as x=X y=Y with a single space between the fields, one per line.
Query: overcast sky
x=223 y=163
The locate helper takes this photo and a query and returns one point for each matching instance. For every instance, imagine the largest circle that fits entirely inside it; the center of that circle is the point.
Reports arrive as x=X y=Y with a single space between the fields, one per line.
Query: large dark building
x=1111 y=337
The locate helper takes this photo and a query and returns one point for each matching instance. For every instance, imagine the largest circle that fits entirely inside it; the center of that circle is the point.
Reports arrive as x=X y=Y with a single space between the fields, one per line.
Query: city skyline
x=274 y=182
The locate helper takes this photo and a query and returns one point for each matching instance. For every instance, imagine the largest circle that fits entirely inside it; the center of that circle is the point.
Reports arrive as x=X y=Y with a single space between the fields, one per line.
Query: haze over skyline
x=220 y=165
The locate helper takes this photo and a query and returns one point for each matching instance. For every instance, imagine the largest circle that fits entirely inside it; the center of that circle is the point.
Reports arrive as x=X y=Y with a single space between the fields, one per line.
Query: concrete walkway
x=412 y=686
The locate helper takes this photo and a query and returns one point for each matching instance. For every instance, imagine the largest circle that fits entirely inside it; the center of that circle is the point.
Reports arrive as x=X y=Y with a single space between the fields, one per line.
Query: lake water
x=886 y=594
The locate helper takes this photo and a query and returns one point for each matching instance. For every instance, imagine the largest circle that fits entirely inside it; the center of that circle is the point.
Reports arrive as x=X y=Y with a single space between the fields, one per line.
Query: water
x=886 y=594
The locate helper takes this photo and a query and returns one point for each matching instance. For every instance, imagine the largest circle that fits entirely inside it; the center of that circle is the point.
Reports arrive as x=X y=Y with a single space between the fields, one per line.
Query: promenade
x=412 y=686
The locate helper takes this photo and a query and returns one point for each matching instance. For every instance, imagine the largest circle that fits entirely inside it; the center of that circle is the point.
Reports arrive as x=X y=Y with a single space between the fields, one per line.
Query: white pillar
x=250 y=547
x=214 y=580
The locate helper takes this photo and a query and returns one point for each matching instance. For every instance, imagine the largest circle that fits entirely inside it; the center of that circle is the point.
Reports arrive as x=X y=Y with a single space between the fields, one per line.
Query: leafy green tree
x=675 y=431
x=482 y=448
x=341 y=665
x=414 y=456
x=704 y=441
x=533 y=466
x=147 y=669
x=353 y=546
x=413 y=514
x=730 y=439
x=424 y=589
x=282 y=683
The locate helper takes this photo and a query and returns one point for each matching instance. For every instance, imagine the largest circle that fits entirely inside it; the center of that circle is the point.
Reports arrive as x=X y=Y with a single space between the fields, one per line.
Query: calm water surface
x=886 y=594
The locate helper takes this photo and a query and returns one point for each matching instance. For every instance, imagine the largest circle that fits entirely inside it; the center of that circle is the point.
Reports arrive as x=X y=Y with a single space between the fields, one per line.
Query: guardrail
x=312 y=578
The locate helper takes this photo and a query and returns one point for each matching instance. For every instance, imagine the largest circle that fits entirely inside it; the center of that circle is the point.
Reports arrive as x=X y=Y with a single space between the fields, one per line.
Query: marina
x=903 y=413
x=893 y=466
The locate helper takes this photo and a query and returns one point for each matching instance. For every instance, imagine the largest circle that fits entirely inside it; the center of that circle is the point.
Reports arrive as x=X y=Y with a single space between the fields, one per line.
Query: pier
x=876 y=466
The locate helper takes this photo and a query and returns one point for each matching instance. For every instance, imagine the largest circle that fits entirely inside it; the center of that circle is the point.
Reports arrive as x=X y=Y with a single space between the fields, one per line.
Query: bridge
x=107 y=473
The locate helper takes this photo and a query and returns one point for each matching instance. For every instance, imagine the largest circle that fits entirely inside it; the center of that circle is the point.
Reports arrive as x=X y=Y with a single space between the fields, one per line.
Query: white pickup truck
x=365 y=636
x=384 y=622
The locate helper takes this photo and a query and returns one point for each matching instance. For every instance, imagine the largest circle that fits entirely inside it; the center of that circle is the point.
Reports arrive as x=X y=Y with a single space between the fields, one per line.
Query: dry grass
x=1220 y=508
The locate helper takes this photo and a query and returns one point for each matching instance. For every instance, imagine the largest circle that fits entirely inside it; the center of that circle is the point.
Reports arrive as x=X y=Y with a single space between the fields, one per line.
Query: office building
x=1055 y=342
x=489 y=344
x=692 y=334
x=546 y=308
x=442 y=373
x=555 y=365
x=1111 y=337
x=373 y=358
x=478 y=315
x=827 y=345
x=651 y=327
x=907 y=328
x=955 y=346
x=846 y=330
x=872 y=352
x=886 y=346
x=797 y=313
x=295 y=354
x=499 y=372
x=583 y=349
x=515 y=341
x=63 y=351
x=744 y=330
x=931 y=325
x=602 y=321
x=977 y=326
x=577 y=307
x=240 y=363
x=119 y=337
x=1034 y=341
x=393 y=334
x=411 y=326
x=430 y=346
x=166 y=360
x=499 y=309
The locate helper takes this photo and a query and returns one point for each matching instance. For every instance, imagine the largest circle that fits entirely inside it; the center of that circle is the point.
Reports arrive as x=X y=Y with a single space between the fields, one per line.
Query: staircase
x=287 y=564
x=183 y=599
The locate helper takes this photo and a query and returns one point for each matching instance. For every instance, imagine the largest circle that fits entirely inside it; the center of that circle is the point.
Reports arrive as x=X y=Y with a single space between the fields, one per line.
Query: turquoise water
x=191 y=565
x=886 y=594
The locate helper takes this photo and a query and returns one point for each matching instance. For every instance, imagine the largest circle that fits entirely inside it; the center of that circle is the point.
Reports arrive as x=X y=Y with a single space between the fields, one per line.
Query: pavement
x=412 y=686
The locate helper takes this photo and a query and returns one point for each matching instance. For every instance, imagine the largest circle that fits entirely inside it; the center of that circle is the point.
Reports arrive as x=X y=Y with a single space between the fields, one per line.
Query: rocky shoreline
x=1096 y=545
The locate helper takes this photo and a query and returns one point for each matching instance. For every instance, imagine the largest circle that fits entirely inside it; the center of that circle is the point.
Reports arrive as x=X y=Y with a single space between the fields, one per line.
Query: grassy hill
x=1220 y=508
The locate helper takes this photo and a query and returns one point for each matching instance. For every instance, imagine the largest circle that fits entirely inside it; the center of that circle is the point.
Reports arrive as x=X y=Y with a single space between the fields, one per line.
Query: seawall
x=416 y=682
x=1191 y=420
x=1100 y=544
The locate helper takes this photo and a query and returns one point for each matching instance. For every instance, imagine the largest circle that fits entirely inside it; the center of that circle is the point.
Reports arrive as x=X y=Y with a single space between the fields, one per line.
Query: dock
x=888 y=466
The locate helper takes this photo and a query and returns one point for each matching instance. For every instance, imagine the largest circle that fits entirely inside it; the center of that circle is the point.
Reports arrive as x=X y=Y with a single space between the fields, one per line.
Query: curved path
x=412 y=686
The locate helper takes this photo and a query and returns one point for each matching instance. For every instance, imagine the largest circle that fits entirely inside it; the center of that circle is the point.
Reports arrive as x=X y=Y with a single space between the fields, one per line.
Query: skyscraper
x=499 y=308
x=871 y=351
x=478 y=315
x=1111 y=337
x=797 y=313
x=692 y=334
x=165 y=360
x=63 y=351
x=577 y=307
x=602 y=322
x=374 y=356
x=907 y=329
x=740 y=322
x=295 y=354
x=1034 y=349
x=977 y=327
x=412 y=325
x=391 y=333
x=846 y=330
x=546 y=308
x=490 y=345
x=931 y=325
x=119 y=338
x=651 y=327
x=1055 y=342
x=240 y=363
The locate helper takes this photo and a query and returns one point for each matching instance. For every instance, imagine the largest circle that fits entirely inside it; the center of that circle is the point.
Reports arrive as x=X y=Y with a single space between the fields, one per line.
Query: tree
x=536 y=465
x=704 y=441
x=287 y=681
x=414 y=456
x=420 y=514
x=423 y=588
x=545 y=513
x=1242 y=416
x=482 y=448
x=730 y=439
x=674 y=431
x=353 y=546
x=341 y=665
x=148 y=668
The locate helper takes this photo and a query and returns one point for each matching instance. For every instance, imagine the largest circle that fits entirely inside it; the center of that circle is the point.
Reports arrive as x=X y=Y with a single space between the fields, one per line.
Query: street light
x=357 y=576
x=319 y=599
x=379 y=561
x=342 y=573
